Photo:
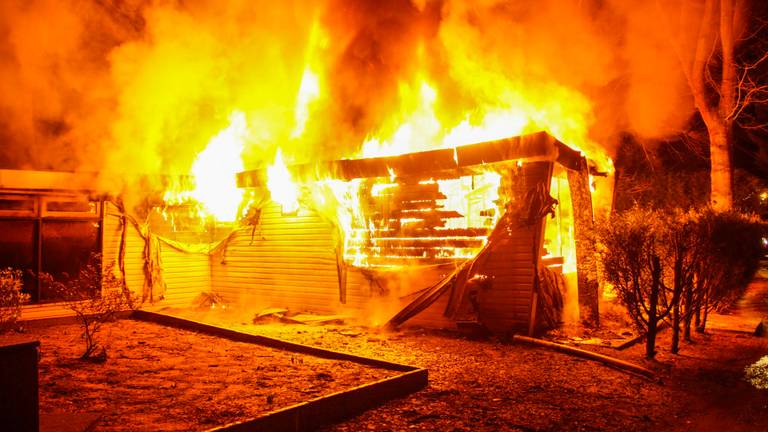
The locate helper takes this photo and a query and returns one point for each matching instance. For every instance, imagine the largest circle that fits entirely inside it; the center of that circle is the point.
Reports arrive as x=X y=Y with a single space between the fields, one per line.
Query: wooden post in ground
x=583 y=224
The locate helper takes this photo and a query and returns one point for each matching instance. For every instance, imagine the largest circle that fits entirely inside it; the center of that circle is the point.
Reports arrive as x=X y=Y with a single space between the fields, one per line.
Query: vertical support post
x=583 y=224
x=38 y=251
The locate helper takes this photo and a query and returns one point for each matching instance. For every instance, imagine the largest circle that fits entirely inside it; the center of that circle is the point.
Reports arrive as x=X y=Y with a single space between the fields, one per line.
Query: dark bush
x=731 y=244
x=678 y=265
x=630 y=248
x=11 y=298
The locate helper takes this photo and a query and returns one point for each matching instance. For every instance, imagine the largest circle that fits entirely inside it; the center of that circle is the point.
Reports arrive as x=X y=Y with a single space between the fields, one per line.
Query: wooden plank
x=326 y=410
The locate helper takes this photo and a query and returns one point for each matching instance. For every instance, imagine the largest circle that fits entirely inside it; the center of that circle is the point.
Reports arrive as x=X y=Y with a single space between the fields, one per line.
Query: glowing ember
x=281 y=187
x=215 y=168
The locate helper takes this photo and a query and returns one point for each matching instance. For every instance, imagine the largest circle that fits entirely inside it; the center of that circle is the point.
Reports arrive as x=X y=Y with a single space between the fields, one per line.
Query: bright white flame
x=281 y=187
x=309 y=91
x=215 y=168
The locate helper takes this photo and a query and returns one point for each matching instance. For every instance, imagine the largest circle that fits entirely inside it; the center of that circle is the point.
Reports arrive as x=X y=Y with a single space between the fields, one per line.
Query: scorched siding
x=134 y=248
x=285 y=261
x=185 y=274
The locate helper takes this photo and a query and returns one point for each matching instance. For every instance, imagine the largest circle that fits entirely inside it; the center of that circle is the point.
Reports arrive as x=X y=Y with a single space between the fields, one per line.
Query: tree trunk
x=721 y=194
x=688 y=310
x=697 y=322
x=676 y=328
x=702 y=327
x=717 y=112
x=653 y=303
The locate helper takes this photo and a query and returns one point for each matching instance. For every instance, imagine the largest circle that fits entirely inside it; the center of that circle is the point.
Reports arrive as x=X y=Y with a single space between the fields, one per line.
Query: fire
x=310 y=87
x=213 y=186
x=215 y=168
x=308 y=92
x=281 y=187
x=391 y=222
x=477 y=99
x=518 y=110
x=415 y=128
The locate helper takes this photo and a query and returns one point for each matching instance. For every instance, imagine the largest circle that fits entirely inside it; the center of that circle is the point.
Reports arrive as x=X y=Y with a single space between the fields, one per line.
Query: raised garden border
x=317 y=412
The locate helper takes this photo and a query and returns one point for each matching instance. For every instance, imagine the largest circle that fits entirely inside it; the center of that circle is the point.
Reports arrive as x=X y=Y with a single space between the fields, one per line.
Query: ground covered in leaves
x=495 y=385
x=160 y=378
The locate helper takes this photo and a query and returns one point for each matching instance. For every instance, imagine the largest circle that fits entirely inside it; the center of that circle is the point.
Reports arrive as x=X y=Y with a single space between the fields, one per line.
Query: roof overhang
x=465 y=159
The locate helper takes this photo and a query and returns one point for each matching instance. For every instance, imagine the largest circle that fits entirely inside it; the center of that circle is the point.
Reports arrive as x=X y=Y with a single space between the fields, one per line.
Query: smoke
x=55 y=91
x=139 y=88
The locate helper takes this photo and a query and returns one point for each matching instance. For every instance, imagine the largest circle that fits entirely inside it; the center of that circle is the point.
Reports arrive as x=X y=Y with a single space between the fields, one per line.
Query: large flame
x=281 y=187
x=322 y=89
x=215 y=168
x=213 y=185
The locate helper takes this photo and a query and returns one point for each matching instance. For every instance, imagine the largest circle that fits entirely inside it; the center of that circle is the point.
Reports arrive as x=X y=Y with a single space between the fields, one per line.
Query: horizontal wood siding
x=507 y=303
x=186 y=275
x=286 y=261
x=289 y=261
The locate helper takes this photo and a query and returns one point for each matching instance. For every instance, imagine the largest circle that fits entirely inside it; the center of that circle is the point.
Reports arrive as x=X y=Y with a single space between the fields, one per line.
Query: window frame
x=41 y=214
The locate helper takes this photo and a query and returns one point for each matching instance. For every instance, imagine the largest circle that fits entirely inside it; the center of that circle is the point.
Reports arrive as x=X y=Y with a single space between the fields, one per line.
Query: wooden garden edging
x=610 y=361
x=323 y=410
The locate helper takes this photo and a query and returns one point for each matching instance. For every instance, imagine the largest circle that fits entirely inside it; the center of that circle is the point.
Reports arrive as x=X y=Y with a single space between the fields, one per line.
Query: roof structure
x=532 y=147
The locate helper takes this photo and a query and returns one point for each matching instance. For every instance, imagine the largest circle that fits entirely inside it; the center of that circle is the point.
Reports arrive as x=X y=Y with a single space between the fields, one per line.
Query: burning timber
x=475 y=236
x=449 y=255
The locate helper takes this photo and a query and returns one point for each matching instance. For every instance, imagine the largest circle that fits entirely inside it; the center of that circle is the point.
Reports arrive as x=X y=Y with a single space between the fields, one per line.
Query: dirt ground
x=494 y=385
x=159 y=378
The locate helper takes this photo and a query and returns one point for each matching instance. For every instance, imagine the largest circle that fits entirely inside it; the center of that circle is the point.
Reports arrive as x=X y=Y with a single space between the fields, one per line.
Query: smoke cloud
x=137 y=88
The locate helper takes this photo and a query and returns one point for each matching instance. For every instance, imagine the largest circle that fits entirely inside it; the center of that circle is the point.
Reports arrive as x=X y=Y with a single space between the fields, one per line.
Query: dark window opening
x=71 y=206
x=26 y=205
x=60 y=241
x=66 y=248
x=17 y=250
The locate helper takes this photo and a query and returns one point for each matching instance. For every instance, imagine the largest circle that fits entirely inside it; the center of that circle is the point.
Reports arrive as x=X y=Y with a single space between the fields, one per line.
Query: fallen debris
x=313 y=319
x=269 y=315
x=610 y=361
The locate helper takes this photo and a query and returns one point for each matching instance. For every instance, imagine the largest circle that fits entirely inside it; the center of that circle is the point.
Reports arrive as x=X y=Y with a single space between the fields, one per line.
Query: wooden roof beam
x=464 y=159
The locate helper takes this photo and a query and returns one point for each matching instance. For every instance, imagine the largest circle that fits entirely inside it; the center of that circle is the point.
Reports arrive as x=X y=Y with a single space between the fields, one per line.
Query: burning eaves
x=453 y=161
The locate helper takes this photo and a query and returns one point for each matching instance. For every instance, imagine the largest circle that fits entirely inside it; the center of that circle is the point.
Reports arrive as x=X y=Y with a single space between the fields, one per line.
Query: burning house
x=445 y=237
x=439 y=202
x=470 y=236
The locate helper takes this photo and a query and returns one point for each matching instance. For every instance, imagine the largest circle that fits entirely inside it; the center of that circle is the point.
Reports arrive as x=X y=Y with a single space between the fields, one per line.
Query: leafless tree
x=723 y=84
x=95 y=296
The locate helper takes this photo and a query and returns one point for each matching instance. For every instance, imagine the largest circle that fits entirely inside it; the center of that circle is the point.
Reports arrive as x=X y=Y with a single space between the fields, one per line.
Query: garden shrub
x=11 y=298
x=681 y=265
x=757 y=373
x=96 y=296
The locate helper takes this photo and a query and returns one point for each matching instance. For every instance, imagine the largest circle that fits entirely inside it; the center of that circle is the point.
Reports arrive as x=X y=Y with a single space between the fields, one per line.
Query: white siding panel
x=186 y=275
x=287 y=261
